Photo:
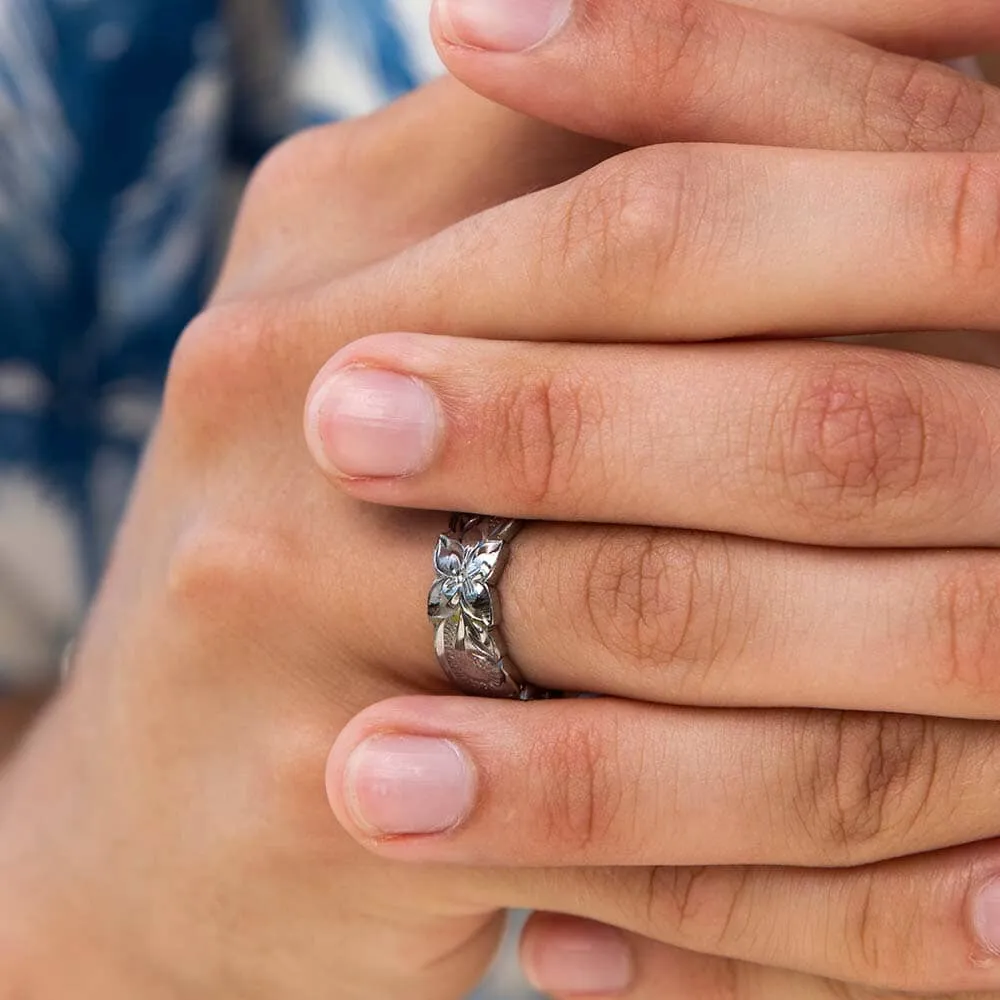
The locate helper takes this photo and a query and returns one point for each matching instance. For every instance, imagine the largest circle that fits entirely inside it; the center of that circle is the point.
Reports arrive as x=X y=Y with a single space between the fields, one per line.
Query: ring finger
x=683 y=618
x=703 y=243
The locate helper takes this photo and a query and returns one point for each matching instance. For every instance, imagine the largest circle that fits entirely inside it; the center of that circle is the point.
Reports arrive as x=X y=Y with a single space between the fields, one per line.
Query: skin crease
x=16 y=714
x=658 y=968
x=201 y=734
x=185 y=754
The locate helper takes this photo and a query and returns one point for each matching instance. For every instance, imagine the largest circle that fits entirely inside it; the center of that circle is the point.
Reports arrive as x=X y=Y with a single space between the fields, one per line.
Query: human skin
x=16 y=714
x=243 y=625
x=594 y=413
x=163 y=830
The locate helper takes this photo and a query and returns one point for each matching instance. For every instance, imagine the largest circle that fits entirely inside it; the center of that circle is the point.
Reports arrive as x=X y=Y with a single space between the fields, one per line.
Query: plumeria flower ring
x=462 y=586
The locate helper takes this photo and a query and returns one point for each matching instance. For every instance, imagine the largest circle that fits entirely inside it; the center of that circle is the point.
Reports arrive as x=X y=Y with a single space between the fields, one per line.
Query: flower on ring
x=464 y=573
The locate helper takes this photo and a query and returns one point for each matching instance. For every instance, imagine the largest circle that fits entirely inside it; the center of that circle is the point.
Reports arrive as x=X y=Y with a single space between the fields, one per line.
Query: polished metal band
x=464 y=608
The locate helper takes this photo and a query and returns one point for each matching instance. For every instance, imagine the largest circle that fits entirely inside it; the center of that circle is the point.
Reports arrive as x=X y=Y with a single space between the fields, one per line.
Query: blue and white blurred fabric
x=120 y=121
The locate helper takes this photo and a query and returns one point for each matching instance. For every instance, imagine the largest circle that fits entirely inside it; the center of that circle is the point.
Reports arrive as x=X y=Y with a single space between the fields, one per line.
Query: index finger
x=337 y=197
x=693 y=243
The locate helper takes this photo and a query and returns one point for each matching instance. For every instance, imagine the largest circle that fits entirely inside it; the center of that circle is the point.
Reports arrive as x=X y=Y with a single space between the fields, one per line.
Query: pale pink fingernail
x=367 y=422
x=502 y=25
x=399 y=785
x=579 y=958
x=986 y=916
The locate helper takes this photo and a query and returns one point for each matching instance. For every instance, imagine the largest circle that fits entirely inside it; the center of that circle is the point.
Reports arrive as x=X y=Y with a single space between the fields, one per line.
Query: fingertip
x=399 y=771
x=368 y=417
x=571 y=957
x=509 y=27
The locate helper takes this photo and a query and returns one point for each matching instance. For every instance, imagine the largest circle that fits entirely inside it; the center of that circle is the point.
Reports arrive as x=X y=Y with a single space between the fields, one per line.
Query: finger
x=917 y=926
x=566 y=957
x=334 y=198
x=475 y=782
x=688 y=618
x=709 y=619
x=925 y=28
x=707 y=242
x=645 y=71
x=814 y=443
x=605 y=782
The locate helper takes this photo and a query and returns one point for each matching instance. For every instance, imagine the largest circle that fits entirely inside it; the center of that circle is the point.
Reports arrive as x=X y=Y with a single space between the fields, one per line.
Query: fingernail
x=580 y=958
x=502 y=25
x=367 y=422
x=986 y=916
x=409 y=785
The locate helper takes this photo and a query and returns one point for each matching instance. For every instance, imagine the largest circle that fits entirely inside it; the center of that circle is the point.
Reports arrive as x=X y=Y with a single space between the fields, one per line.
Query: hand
x=164 y=833
x=237 y=631
x=645 y=71
x=820 y=444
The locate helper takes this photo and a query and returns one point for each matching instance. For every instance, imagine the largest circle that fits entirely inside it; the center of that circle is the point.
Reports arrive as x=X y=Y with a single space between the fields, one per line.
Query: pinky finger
x=568 y=958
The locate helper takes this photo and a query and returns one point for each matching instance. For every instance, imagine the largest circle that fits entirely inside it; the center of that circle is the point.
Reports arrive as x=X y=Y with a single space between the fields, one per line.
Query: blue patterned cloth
x=121 y=123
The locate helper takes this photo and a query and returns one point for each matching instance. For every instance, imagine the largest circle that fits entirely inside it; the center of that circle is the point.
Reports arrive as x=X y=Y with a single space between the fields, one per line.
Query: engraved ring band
x=464 y=608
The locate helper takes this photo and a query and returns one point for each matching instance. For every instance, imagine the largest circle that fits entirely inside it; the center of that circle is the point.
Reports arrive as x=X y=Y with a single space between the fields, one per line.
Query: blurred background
x=126 y=130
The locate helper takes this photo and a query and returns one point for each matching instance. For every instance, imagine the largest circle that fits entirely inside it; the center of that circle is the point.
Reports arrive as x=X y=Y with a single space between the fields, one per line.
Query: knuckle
x=679 y=899
x=850 y=438
x=548 y=423
x=865 y=946
x=277 y=776
x=345 y=178
x=871 y=781
x=232 y=355
x=965 y=198
x=285 y=763
x=657 y=599
x=965 y=627
x=887 y=941
x=579 y=790
x=629 y=219
x=341 y=156
x=883 y=943
x=284 y=166
x=915 y=105
x=211 y=354
x=707 y=906
x=227 y=570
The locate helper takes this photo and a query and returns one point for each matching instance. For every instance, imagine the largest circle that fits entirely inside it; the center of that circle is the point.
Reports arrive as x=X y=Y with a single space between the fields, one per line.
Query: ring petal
x=439 y=604
x=482 y=559
x=449 y=556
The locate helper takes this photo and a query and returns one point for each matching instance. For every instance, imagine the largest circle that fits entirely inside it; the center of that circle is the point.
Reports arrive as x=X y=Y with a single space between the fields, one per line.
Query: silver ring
x=464 y=608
